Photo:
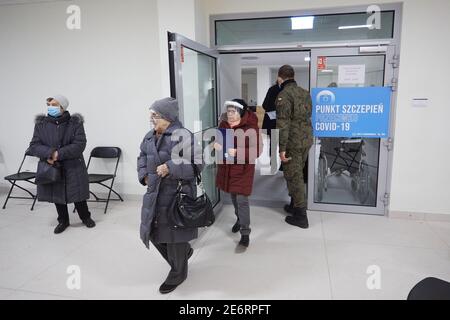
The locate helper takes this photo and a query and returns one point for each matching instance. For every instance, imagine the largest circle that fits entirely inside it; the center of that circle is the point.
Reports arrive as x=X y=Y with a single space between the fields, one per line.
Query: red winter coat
x=238 y=178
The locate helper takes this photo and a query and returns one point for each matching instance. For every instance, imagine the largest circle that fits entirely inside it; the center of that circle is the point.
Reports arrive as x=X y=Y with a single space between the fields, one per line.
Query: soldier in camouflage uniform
x=294 y=124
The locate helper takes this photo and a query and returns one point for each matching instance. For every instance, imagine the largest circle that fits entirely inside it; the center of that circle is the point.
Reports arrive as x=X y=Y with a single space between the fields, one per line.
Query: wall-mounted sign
x=352 y=74
x=351 y=112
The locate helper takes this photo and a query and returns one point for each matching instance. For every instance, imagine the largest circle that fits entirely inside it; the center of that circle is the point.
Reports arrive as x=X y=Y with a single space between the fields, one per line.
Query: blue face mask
x=54 y=111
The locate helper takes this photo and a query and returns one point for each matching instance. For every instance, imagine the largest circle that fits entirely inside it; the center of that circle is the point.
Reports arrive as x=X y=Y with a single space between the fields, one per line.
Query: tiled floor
x=328 y=261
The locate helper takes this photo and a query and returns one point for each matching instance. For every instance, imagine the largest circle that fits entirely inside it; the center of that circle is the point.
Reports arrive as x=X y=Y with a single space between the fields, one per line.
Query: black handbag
x=47 y=173
x=189 y=212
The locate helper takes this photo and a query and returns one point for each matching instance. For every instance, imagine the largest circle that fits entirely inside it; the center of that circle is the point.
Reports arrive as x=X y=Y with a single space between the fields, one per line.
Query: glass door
x=193 y=76
x=349 y=174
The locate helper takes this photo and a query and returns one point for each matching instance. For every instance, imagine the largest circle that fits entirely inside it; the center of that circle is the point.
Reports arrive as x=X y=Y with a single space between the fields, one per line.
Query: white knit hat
x=63 y=101
x=233 y=104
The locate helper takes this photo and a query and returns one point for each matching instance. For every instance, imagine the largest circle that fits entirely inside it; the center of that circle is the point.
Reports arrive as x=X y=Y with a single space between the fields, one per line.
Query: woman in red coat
x=235 y=175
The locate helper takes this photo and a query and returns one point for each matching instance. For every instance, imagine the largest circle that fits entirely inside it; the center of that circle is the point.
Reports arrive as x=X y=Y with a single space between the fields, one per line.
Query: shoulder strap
x=196 y=173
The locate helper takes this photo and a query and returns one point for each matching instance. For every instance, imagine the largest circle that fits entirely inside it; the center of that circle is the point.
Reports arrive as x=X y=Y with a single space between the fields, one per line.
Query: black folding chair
x=105 y=153
x=24 y=176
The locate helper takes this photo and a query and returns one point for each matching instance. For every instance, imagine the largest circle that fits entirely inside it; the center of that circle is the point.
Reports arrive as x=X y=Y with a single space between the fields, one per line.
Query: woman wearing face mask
x=235 y=175
x=161 y=173
x=59 y=139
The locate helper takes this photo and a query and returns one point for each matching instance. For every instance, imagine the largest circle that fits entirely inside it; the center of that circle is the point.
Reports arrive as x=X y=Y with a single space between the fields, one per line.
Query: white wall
x=201 y=23
x=177 y=16
x=420 y=179
x=230 y=78
x=251 y=80
x=264 y=83
x=109 y=70
x=421 y=174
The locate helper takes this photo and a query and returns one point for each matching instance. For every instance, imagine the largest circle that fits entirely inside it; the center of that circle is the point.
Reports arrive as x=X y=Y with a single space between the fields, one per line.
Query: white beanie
x=233 y=104
x=63 y=101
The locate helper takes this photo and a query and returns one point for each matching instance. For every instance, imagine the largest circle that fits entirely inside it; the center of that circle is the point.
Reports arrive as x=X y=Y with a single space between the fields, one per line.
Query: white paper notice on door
x=352 y=74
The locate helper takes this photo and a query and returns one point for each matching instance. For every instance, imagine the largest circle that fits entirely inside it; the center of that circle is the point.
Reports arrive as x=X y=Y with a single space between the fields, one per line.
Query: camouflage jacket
x=294 y=109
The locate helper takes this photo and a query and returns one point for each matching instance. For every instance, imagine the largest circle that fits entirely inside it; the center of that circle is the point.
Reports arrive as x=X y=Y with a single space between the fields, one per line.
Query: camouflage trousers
x=293 y=173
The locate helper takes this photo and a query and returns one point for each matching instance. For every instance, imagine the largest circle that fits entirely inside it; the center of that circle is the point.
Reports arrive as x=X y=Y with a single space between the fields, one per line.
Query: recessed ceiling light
x=302 y=23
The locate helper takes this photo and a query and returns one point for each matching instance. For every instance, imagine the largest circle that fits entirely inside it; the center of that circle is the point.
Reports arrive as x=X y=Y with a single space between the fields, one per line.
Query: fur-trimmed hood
x=39 y=118
x=76 y=117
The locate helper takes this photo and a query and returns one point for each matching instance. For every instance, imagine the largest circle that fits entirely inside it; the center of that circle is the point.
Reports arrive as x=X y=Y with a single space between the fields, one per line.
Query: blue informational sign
x=351 y=112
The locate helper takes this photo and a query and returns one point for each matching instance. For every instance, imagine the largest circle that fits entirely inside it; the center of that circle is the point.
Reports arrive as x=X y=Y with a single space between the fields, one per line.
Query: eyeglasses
x=155 y=116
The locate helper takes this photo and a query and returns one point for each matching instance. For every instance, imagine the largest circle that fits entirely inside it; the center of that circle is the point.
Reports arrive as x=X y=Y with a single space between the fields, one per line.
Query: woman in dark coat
x=59 y=138
x=235 y=175
x=161 y=173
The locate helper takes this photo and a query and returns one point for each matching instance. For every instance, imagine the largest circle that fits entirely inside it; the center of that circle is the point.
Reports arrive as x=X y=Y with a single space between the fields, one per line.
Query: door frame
x=384 y=151
x=393 y=55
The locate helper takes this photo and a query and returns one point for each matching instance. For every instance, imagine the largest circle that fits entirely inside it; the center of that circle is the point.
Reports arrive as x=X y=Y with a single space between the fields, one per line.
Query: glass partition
x=346 y=170
x=199 y=90
x=317 y=28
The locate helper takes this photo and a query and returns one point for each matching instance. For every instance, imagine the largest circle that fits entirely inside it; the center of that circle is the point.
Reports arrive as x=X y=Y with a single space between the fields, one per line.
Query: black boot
x=89 y=223
x=245 y=241
x=300 y=218
x=166 y=288
x=61 y=227
x=289 y=208
x=236 y=227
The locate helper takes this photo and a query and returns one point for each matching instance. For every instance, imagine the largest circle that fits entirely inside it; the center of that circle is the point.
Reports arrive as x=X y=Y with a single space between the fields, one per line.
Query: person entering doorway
x=293 y=108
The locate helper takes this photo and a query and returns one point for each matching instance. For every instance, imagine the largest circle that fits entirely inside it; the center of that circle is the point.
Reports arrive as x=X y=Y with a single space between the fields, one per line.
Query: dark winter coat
x=269 y=105
x=160 y=196
x=66 y=135
x=238 y=178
